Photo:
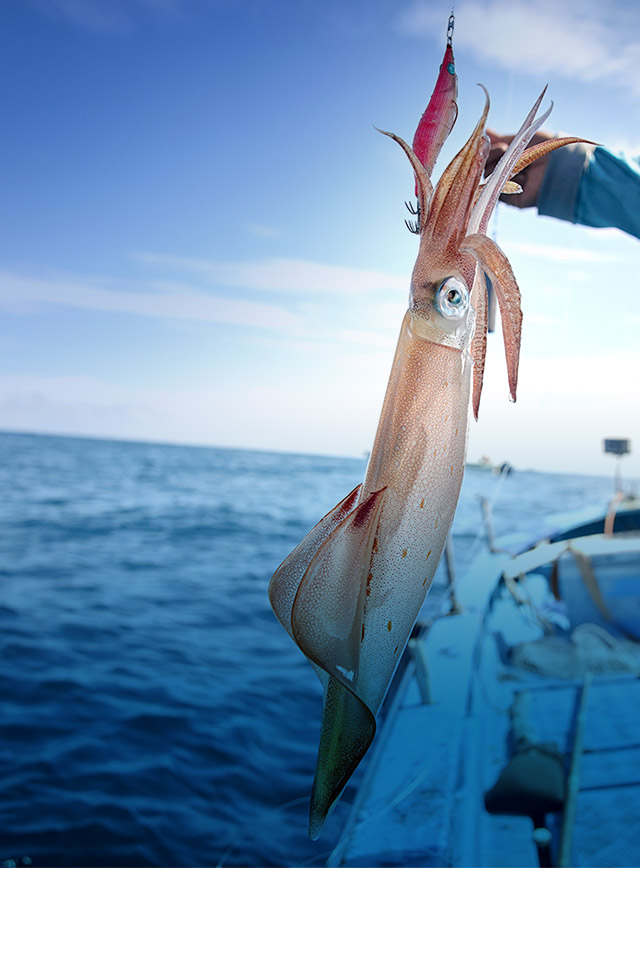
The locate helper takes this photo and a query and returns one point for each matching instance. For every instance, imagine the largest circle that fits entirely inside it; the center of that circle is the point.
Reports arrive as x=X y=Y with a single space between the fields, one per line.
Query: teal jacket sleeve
x=592 y=187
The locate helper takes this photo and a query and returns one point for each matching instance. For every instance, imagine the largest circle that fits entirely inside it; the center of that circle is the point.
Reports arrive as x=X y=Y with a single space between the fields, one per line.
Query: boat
x=511 y=736
x=484 y=463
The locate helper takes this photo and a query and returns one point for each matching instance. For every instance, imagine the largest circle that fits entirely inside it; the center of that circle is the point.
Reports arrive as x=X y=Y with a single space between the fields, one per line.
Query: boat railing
x=573 y=778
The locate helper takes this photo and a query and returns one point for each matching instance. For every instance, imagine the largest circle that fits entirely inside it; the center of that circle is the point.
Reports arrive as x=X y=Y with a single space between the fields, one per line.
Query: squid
x=349 y=594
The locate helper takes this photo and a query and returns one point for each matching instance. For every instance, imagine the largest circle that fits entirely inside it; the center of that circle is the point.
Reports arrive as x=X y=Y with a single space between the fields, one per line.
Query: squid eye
x=452 y=298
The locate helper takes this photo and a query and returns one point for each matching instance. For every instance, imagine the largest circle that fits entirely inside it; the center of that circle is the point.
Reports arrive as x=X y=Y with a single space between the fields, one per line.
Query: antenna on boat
x=617 y=448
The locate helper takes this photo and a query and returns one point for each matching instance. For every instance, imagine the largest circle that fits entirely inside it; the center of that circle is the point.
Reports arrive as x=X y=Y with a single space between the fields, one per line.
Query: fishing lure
x=351 y=591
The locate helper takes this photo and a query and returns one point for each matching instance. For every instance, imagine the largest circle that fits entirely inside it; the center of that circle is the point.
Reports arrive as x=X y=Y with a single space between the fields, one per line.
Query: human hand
x=530 y=179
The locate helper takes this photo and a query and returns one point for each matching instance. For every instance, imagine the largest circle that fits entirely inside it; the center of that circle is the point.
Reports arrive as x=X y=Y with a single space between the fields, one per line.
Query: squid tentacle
x=491 y=190
x=479 y=301
x=497 y=266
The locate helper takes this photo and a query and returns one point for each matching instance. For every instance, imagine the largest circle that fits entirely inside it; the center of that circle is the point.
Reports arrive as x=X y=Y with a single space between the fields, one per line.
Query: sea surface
x=152 y=710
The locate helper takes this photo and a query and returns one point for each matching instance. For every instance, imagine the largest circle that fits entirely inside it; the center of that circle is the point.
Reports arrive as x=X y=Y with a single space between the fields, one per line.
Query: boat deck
x=446 y=738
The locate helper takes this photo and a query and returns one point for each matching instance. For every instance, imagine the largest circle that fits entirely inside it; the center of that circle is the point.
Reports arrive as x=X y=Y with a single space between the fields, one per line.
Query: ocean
x=152 y=710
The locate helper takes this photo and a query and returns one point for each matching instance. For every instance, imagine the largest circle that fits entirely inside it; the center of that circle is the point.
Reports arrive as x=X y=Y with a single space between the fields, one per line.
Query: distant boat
x=484 y=463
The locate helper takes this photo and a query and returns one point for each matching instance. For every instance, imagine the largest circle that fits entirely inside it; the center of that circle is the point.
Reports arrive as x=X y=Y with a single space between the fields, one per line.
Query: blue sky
x=203 y=235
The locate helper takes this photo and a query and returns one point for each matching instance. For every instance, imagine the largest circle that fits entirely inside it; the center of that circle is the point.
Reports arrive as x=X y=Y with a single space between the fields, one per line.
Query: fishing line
x=509 y=95
x=314 y=860
x=477 y=541
x=249 y=825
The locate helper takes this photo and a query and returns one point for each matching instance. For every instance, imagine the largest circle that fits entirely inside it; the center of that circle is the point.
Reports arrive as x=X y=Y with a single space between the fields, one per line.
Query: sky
x=203 y=233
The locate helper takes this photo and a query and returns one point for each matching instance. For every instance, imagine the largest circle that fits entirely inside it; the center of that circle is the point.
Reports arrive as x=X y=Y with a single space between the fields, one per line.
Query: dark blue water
x=152 y=710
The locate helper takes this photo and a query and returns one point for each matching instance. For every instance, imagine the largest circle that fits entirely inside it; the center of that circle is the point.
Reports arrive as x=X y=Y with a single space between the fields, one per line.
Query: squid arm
x=533 y=153
x=480 y=302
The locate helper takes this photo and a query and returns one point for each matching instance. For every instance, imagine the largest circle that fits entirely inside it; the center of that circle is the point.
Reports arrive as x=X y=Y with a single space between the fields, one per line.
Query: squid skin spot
x=422 y=503
x=404 y=552
x=389 y=625
x=435 y=451
x=395 y=651
x=362 y=514
x=452 y=471
x=456 y=432
x=363 y=631
x=435 y=525
x=428 y=554
x=375 y=544
x=424 y=583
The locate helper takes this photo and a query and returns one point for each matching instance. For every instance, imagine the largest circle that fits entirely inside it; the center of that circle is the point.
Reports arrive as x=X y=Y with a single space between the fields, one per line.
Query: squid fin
x=327 y=624
x=348 y=727
x=287 y=577
x=328 y=608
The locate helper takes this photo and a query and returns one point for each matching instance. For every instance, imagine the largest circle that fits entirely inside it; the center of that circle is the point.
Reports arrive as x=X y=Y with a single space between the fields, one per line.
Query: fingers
x=497 y=138
x=529 y=179
x=498 y=146
x=495 y=153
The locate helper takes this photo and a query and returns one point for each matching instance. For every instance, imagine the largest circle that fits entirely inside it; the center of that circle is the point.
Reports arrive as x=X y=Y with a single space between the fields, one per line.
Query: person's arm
x=580 y=183
x=609 y=193
x=561 y=180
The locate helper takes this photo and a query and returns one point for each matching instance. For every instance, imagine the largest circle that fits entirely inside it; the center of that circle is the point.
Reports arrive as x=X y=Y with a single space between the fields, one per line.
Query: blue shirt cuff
x=559 y=192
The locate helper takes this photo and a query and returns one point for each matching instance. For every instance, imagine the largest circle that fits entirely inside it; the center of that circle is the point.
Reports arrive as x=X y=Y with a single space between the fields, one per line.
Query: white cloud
x=584 y=40
x=605 y=376
x=221 y=415
x=612 y=234
x=284 y=275
x=107 y=16
x=565 y=407
x=558 y=253
x=564 y=410
x=165 y=301
x=320 y=305
x=263 y=231
x=73 y=405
